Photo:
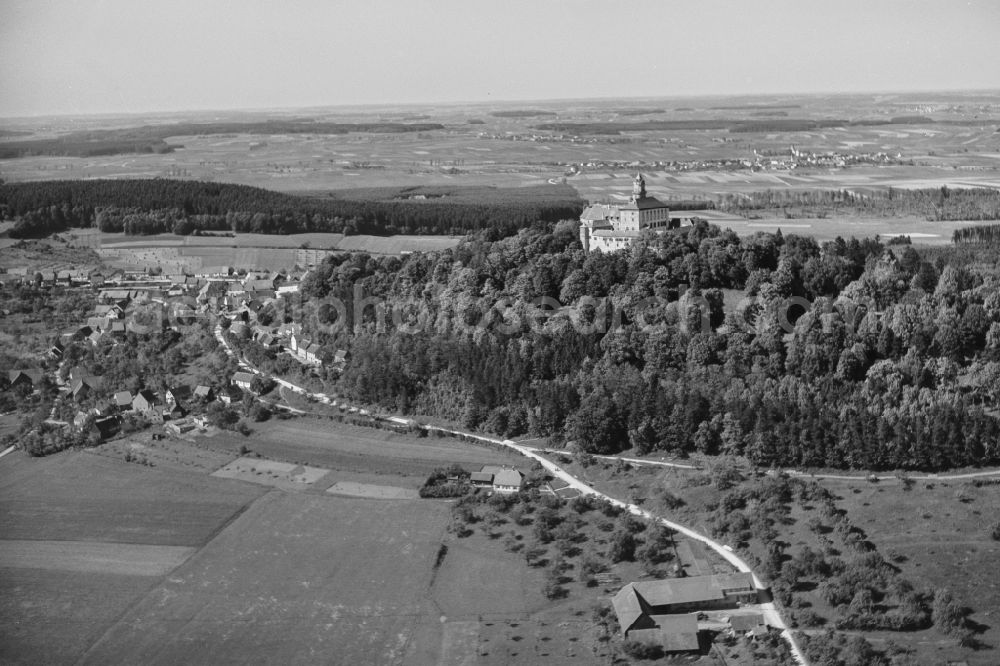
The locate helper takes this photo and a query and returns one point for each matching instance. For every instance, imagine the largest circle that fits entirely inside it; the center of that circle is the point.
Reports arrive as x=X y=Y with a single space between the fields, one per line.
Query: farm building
x=637 y=603
x=674 y=633
x=481 y=479
x=748 y=624
x=180 y=427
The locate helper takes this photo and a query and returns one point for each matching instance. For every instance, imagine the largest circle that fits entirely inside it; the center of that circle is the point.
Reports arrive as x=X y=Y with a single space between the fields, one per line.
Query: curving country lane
x=769 y=610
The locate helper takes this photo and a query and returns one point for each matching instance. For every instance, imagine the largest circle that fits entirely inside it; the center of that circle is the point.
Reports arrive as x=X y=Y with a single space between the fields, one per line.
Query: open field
x=347 y=448
x=83 y=497
x=169 y=453
x=949 y=138
x=83 y=537
x=296 y=579
x=921 y=231
x=196 y=254
x=938 y=535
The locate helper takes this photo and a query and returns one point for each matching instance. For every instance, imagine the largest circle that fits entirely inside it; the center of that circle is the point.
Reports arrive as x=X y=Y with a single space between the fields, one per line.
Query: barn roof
x=628 y=606
x=697 y=588
x=676 y=633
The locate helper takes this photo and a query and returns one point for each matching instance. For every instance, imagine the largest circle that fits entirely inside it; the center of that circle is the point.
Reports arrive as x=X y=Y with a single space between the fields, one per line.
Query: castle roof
x=599 y=212
x=644 y=203
x=611 y=233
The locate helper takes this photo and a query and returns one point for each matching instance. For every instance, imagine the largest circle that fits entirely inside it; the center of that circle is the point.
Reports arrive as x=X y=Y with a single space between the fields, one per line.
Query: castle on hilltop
x=608 y=228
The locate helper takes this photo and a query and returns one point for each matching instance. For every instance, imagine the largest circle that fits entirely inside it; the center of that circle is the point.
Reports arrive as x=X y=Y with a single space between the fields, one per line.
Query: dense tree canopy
x=839 y=355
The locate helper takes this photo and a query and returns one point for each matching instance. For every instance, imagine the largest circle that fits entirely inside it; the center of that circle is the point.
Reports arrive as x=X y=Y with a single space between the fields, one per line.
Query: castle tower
x=638 y=188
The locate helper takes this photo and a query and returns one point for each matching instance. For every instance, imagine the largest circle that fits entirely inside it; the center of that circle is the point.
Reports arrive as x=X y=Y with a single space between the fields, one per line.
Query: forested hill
x=147 y=206
x=151 y=138
x=895 y=363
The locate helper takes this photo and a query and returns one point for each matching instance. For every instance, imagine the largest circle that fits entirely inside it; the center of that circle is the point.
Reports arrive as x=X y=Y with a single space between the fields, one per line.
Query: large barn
x=661 y=610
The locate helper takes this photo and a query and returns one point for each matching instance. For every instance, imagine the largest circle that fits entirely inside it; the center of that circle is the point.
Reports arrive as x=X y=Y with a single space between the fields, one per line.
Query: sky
x=130 y=56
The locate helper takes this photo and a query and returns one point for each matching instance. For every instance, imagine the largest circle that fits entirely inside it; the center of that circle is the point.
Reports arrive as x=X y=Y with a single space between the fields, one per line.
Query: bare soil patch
x=372 y=491
x=126 y=559
x=287 y=476
x=345 y=448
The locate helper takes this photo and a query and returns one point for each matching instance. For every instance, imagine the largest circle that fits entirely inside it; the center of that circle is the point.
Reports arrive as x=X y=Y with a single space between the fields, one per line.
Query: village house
x=173 y=411
x=83 y=387
x=27 y=378
x=499 y=479
x=174 y=395
x=230 y=394
x=146 y=403
x=213 y=294
x=243 y=380
x=104 y=408
x=122 y=400
x=204 y=393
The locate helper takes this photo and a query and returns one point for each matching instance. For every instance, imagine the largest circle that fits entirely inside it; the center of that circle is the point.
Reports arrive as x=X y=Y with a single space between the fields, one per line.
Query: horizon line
x=484 y=102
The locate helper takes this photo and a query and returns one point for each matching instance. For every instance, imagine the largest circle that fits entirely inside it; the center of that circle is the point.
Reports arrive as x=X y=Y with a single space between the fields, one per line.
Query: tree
x=946 y=613
x=622 y=547
x=598 y=425
x=222 y=416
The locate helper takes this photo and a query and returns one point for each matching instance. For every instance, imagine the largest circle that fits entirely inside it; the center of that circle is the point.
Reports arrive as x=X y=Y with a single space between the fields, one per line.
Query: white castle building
x=608 y=228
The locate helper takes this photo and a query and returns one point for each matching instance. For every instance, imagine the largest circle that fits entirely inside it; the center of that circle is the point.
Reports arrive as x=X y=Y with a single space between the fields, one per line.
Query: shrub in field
x=639 y=650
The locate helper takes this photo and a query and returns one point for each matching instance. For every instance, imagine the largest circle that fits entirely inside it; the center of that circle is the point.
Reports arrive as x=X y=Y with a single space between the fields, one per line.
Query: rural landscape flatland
x=500 y=333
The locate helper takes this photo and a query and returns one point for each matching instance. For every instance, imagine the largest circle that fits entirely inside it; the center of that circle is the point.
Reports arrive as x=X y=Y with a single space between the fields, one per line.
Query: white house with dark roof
x=242 y=380
x=501 y=479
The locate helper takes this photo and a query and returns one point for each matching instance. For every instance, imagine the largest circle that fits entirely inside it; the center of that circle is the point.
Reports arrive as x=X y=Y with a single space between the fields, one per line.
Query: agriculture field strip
x=271 y=473
x=93 y=557
x=297 y=578
x=87 y=497
x=372 y=491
